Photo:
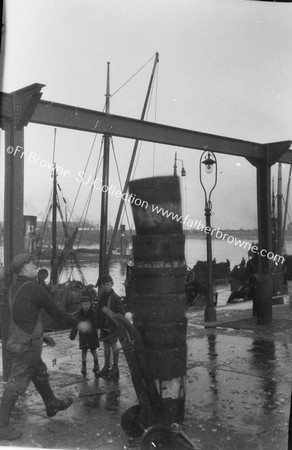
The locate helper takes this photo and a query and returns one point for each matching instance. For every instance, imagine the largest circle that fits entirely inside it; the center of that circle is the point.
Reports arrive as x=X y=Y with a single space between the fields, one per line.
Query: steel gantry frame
x=24 y=106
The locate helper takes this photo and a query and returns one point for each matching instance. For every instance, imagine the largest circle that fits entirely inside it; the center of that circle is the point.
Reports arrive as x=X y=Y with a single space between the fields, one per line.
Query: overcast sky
x=225 y=68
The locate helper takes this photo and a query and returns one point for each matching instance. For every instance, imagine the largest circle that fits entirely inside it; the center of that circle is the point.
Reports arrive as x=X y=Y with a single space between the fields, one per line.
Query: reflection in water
x=264 y=355
x=100 y=393
x=213 y=364
x=194 y=250
x=91 y=394
x=112 y=399
x=213 y=371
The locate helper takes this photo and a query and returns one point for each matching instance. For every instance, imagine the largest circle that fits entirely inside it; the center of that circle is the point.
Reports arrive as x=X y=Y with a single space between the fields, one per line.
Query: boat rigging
x=106 y=250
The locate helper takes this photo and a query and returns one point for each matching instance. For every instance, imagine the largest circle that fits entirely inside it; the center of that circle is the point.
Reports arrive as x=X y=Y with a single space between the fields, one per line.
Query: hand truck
x=148 y=419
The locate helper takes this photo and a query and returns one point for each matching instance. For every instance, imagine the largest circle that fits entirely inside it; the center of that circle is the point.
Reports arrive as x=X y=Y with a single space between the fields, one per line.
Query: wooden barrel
x=172 y=285
x=158 y=307
x=155 y=281
x=167 y=363
x=156 y=205
x=167 y=334
x=159 y=247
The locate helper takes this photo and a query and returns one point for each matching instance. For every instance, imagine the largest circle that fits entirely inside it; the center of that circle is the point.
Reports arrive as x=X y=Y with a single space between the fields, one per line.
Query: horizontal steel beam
x=72 y=117
x=59 y=115
x=287 y=156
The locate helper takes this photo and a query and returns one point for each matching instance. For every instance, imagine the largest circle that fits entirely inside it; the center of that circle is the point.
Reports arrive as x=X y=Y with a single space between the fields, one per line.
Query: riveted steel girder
x=72 y=117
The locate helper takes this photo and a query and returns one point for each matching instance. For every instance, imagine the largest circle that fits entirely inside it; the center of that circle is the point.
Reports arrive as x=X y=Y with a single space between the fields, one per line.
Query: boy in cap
x=108 y=335
x=88 y=340
x=89 y=291
x=27 y=299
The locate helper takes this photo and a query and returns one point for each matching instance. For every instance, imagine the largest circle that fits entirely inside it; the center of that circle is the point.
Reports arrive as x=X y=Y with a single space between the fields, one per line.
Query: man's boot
x=52 y=404
x=114 y=370
x=96 y=368
x=6 y=431
x=83 y=370
x=105 y=369
x=58 y=405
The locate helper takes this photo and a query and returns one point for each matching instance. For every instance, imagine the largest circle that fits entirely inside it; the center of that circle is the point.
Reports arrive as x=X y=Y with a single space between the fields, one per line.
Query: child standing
x=87 y=340
x=108 y=334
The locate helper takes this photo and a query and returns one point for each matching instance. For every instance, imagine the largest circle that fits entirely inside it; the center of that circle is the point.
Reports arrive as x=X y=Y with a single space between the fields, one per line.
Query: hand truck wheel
x=157 y=436
x=129 y=422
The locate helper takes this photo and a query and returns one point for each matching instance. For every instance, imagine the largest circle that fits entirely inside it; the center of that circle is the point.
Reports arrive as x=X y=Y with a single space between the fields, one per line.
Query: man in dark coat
x=287 y=270
x=108 y=334
x=27 y=299
x=251 y=277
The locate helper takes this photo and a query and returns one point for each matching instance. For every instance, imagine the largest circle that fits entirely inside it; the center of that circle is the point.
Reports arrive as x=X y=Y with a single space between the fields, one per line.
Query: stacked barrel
x=158 y=280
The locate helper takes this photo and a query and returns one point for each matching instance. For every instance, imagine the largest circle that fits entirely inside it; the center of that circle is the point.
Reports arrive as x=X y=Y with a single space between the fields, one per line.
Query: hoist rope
x=120 y=181
x=83 y=217
x=87 y=203
x=84 y=171
x=139 y=70
x=155 y=118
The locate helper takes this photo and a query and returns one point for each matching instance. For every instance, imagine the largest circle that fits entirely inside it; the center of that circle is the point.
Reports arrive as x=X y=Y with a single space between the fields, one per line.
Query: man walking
x=26 y=302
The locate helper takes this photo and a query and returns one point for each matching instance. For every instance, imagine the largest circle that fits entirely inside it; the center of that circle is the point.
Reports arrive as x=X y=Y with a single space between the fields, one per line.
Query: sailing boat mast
x=54 y=265
x=279 y=210
x=103 y=270
x=274 y=219
x=131 y=165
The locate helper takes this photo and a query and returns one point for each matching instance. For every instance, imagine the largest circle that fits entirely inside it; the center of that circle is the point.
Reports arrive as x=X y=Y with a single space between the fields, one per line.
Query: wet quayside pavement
x=238 y=390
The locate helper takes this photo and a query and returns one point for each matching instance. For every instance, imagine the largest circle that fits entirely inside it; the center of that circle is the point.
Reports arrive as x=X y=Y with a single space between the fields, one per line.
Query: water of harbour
x=195 y=250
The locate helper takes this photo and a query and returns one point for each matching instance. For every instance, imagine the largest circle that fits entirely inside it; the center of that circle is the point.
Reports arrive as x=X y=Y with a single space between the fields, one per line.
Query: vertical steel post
x=280 y=211
x=264 y=285
x=286 y=205
x=13 y=222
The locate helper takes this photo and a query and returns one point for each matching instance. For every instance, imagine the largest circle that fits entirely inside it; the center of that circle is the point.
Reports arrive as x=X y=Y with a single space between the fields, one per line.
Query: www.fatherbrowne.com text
x=198 y=225
x=187 y=221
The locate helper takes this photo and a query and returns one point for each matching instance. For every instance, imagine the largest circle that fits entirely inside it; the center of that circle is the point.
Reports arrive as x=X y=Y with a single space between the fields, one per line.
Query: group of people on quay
x=91 y=312
x=27 y=301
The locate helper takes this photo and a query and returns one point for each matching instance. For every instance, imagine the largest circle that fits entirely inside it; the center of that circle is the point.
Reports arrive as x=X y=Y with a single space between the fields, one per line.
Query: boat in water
x=241 y=283
x=240 y=288
x=196 y=281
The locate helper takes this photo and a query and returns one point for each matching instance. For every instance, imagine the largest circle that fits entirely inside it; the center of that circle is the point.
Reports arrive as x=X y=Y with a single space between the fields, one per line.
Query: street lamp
x=208 y=159
x=183 y=172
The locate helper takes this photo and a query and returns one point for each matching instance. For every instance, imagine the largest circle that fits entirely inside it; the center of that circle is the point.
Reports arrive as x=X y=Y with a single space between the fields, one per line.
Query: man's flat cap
x=85 y=299
x=20 y=260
